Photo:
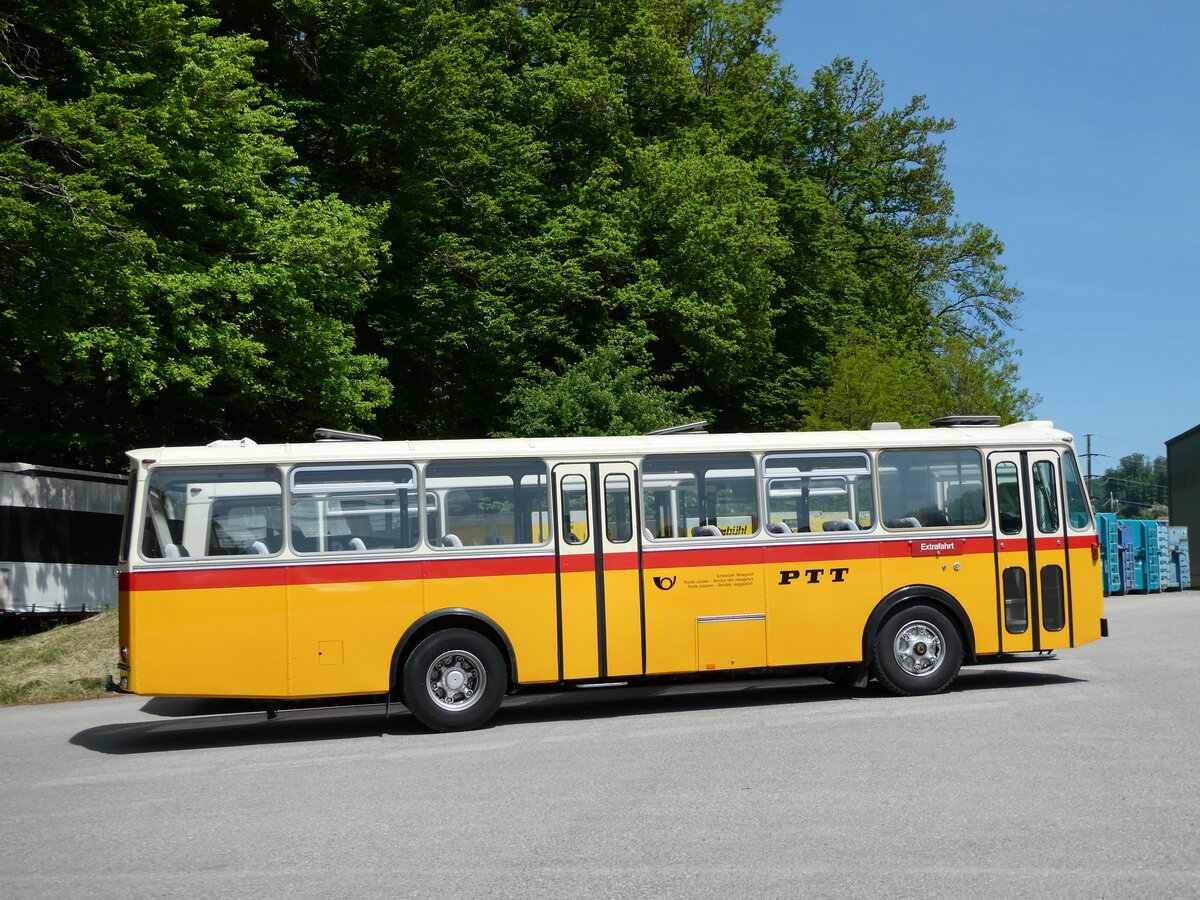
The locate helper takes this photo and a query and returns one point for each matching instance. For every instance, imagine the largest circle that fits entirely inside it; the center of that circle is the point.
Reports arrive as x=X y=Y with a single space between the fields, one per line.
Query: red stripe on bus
x=578 y=562
x=621 y=562
x=488 y=566
x=1046 y=544
x=339 y=573
x=207 y=579
x=699 y=558
x=461 y=566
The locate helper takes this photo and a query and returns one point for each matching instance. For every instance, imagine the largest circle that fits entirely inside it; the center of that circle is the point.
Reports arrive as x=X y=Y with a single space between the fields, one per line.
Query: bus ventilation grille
x=332 y=434
x=959 y=421
x=689 y=428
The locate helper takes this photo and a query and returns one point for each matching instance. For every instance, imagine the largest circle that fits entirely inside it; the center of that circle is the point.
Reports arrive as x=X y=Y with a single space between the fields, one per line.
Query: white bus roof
x=1022 y=434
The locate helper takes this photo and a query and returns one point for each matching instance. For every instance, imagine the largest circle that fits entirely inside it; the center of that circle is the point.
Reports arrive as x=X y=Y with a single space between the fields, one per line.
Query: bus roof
x=1021 y=434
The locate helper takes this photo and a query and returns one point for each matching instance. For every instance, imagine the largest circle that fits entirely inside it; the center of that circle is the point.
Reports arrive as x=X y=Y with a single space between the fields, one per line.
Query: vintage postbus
x=449 y=573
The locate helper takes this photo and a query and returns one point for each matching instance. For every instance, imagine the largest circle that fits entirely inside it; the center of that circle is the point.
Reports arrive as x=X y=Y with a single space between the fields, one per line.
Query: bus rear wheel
x=454 y=680
x=918 y=650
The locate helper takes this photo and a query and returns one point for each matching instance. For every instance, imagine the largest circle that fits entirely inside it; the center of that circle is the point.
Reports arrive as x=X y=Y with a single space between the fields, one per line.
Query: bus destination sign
x=937 y=547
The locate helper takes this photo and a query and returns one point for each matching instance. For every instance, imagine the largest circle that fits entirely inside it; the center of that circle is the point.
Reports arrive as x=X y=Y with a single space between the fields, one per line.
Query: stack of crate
x=1139 y=556
x=1110 y=553
x=1175 y=565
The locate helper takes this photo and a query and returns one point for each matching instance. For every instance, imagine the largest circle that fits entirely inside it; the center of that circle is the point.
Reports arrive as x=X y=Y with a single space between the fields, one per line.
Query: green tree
x=1135 y=488
x=269 y=211
x=604 y=393
x=562 y=177
x=880 y=257
x=168 y=272
x=867 y=381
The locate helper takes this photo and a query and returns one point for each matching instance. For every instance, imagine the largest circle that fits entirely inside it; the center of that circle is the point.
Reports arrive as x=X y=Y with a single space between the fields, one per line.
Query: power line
x=1149 y=484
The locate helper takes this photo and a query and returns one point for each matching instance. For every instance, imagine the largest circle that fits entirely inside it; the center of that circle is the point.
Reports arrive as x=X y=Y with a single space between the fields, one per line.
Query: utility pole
x=1088 y=456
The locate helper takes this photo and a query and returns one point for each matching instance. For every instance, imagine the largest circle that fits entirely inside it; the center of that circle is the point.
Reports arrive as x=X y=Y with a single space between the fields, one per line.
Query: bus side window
x=818 y=492
x=340 y=509
x=1045 y=496
x=489 y=502
x=209 y=511
x=1078 y=514
x=574 y=499
x=618 y=508
x=1008 y=498
x=931 y=488
x=700 y=495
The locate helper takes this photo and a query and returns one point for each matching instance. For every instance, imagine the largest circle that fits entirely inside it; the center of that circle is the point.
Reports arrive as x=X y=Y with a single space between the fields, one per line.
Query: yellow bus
x=450 y=573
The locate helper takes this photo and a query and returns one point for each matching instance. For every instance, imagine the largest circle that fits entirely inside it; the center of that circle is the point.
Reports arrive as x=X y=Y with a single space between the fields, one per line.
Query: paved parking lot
x=1078 y=777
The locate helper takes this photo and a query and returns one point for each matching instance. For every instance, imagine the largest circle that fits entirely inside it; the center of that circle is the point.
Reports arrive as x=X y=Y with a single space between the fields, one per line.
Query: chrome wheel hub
x=919 y=648
x=455 y=680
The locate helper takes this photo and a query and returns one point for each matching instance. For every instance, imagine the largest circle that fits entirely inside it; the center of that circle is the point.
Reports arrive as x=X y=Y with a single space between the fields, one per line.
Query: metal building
x=1183 y=468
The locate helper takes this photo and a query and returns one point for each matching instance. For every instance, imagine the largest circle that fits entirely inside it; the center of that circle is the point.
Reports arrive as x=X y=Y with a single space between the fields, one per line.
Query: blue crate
x=1178 y=557
x=1150 y=555
x=1142 y=536
x=1168 y=571
x=1126 y=556
x=1110 y=554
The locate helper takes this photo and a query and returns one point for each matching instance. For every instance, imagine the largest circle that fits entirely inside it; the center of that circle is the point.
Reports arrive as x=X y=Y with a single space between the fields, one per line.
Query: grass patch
x=64 y=663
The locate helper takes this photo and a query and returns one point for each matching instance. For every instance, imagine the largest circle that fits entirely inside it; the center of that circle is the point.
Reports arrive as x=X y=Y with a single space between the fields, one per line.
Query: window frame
x=362 y=489
x=737 y=461
x=985 y=512
x=845 y=472
x=1072 y=475
x=149 y=499
x=519 y=468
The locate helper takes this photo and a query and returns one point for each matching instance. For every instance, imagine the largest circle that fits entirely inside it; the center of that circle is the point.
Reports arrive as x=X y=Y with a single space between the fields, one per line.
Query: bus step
x=603 y=684
x=1032 y=657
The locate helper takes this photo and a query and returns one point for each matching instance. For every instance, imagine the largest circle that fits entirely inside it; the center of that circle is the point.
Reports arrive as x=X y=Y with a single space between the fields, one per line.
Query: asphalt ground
x=1076 y=777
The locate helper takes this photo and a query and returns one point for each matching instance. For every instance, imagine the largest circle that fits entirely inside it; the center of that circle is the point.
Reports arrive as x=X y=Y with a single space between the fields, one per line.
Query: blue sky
x=1078 y=143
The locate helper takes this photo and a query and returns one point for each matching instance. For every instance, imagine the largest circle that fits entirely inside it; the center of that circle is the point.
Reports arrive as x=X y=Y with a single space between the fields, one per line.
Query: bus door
x=1029 y=522
x=598 y=568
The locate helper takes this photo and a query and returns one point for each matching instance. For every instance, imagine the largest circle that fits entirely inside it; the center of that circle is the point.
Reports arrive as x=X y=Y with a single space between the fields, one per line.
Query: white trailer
x=60 y=532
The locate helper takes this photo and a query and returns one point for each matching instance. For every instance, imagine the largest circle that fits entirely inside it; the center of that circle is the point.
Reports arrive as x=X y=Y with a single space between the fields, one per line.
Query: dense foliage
x=456 y=218
x=1135 y=488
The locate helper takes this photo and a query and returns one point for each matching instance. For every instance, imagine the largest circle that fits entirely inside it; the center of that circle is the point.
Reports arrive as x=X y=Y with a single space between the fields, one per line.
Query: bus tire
x=454 y=680
x=917 y=650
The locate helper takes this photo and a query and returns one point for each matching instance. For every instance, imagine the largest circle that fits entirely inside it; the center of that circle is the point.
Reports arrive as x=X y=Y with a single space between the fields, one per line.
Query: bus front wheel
x=454 y=680
x=918 y=650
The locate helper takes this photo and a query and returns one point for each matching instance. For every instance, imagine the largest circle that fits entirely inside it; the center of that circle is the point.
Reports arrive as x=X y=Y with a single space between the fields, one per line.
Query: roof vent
x=233 y=442
x=689 y=428
x=885 y=426
x=960 y=421
x=332 y=434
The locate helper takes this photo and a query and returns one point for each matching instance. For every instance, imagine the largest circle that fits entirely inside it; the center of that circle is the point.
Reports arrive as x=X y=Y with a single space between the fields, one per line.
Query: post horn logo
x=664 y=584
